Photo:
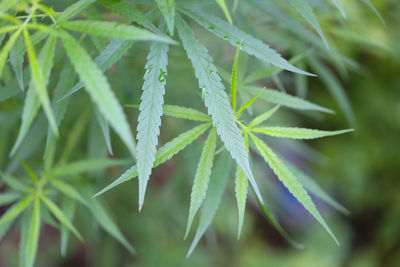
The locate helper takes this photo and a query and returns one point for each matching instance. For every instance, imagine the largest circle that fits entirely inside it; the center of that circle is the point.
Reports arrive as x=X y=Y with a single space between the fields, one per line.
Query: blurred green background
x=361 y=170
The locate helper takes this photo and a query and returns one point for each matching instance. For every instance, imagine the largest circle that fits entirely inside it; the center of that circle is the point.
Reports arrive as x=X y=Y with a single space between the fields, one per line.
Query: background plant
x=63 y=63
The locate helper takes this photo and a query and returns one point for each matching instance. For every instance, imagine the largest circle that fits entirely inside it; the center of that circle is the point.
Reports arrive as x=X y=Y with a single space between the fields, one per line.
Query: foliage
x=44 y=53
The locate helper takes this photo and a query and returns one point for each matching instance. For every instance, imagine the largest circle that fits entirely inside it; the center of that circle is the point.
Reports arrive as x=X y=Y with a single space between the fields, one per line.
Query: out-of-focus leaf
x=33 y=235
x=167 y=9
x=263 y=117
x=297 y=133
x=185 y=113
x=86 y=165
x=15 y=210
x=68 y=208
x=224 y=8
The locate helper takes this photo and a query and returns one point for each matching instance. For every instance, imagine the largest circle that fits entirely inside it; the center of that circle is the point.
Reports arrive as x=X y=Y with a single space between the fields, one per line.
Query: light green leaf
x=339 y=5
x=7 y=4
x=14 y=183
x=283 y=99
x=86 y=165
x=315 y=189
x=6 y=49
x=241 y=185
x=202 y=177
x=59 y=214
x=74 y=9
x=248 y=103
x=23 y=244
x=38 y=74
x=297 y=133
x=371 y=6
x=224 y=8
x=28 y=169
x=114 y=30
x=163 y=154
x=235 y=5
x=130 y=12
x=234 y=78
x=15 y=210
x=104 y=219
x=167 y=9
x=263 y=117
x=216 y=189
x=99 y=89
x=67 y=190
x=244 y=41
x=68 y=208
x=17 y=61
x=105 y=128
x=8 y=197
x=185 y=113
x=33 y=235
x=216 y=99
x=151 y=111
x=290 y=182
x=307 y=12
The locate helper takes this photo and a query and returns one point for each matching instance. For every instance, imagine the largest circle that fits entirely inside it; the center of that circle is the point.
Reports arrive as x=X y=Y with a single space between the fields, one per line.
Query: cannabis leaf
x=167 y=8
x=297 y=133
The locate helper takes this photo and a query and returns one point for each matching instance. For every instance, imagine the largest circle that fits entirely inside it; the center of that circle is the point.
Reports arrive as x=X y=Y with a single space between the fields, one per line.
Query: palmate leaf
x=185 y=113
x=130 y=12
x=33 y=235
x=32 y=99
x=216 y=188
x=99 y=90
x=163 y=154
x=290 y=182
x=224 y=8
x=244 y=41
x=59 y=214
x=38 y=76
x=297 y=133
x=150 y=113
x=283 y=99
x=202 y=177
x=307 y=12
x=104 y=219
x=167 y=9
x=263 y=117
x=216 y=100
x=114 y=30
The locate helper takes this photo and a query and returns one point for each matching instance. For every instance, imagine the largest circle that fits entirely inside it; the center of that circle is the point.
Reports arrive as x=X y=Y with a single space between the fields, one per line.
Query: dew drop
x=211 y=28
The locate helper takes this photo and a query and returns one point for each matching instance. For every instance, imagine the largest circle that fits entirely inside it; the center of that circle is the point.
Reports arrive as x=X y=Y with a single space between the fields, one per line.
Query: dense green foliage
x=55 y=161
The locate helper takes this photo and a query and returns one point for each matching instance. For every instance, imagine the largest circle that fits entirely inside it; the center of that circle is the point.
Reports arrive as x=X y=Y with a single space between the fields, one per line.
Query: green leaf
x=290 y=182
x=38 y=74
x=105 y=128
x=216 y=100
x=315 y=189
x=335 y=88
x=307 y=12
x=86 y=165
x=59 y=214
x=28 y=169
x=99 y=90
x=248 y=103
x=7 y=4
x=23 y=244
x=8 y=197
x=371 y=6
x=109 y=56
x=202 y=177
x=130 y=12
x=224 y=8
x=283 y=99
x=297 y=133
x=163 y=154
x=263 y=117
x=339 y=5
x=241 y=185
x=33 y=235
x=244 y=41
x=17 y=61
x=6 y=49
x=104 y=219
x=151 y=111
x=74 y=9
x=14 y=183
x=234 y=79
x=167 y=9
x=114 y=30
x=216 y=189
x=185 y=113
x=15 y=210
x=68 y=208
x=67 y=190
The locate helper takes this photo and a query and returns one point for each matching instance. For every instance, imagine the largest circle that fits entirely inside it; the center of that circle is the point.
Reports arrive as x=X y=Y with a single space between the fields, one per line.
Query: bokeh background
x=361 y=170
